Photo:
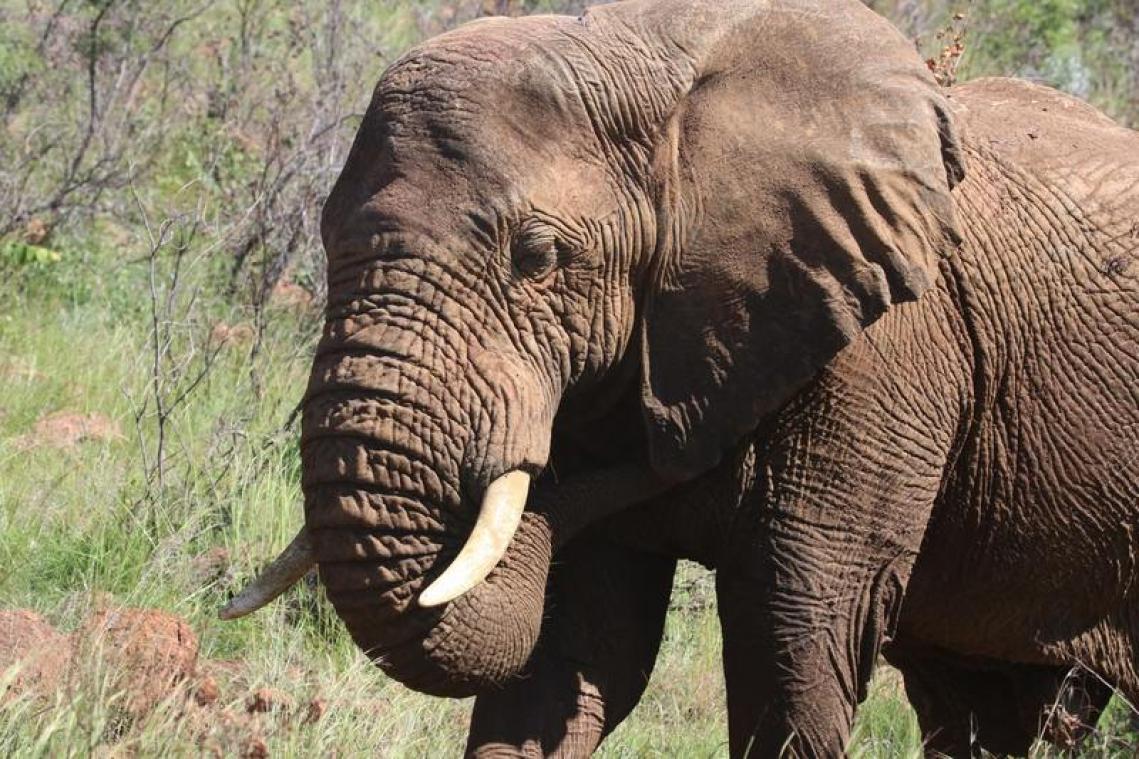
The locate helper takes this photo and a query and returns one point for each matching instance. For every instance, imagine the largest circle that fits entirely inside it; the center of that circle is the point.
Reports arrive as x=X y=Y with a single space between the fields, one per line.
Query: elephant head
x=702 y=200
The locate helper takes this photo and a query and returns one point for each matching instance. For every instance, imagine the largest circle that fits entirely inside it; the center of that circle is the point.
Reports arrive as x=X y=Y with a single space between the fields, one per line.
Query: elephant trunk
x=393 y=482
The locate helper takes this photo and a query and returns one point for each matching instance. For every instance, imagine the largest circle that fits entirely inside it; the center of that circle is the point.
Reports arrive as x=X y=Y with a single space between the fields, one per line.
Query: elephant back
x=1057 y=155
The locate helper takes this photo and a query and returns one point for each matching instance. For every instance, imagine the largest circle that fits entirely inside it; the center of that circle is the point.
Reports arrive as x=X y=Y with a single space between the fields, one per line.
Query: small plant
x=952 y=38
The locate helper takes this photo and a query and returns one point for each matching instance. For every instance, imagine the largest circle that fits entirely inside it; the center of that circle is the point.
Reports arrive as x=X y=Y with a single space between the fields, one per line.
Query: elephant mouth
x=499 y=517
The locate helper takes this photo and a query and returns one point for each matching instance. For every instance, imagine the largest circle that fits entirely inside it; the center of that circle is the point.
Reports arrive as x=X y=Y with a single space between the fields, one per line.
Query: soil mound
x=36 y=651
x=146 y=653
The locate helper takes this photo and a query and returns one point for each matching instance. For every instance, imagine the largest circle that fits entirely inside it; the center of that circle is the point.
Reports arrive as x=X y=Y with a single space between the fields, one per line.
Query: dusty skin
x=866 y=346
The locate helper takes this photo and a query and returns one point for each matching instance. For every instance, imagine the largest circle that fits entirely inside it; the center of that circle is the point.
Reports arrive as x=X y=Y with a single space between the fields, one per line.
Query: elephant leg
x=821 y=553
x=796 y=668
x=606 y=615
x=966 y=707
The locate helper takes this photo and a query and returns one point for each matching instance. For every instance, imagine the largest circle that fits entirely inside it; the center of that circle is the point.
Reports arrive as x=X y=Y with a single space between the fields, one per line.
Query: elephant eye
x=537 y=250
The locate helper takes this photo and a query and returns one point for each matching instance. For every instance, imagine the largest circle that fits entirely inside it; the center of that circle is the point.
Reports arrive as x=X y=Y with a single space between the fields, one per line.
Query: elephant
x=734 y=281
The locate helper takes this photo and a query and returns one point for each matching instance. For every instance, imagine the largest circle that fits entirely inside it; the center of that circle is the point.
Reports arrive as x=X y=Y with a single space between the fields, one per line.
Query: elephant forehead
x=496 y=112
x=489 y=74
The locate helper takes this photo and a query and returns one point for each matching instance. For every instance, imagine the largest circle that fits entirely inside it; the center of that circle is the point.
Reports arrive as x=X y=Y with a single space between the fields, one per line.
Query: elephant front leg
x=821 y=549
x=796 y=663
x=812 y=581
x=606 y=616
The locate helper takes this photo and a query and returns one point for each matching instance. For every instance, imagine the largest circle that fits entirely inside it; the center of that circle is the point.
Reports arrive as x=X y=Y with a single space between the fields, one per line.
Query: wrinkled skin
x=865 y=346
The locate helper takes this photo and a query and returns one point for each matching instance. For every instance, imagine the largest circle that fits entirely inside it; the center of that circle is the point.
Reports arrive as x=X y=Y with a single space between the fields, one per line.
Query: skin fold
x=736 y=282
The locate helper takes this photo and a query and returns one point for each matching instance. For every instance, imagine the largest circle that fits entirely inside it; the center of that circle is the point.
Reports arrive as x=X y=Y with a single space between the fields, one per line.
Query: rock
x=265 y=700
x=207 y=692
x=314 y=711
x=255 y=748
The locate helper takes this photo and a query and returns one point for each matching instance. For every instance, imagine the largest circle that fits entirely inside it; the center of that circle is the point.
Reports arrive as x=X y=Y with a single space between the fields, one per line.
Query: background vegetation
x=162 y=168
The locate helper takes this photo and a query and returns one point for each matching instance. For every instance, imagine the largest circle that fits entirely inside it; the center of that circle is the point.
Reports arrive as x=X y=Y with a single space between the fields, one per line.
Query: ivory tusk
x=285 y=571
x=499 y=517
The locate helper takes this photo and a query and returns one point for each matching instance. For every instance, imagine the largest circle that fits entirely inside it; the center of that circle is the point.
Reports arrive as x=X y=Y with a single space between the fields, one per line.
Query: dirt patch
x=67 y=429
x=146 y=661
x=38 y=652
x=231 y=335
x=145 y=654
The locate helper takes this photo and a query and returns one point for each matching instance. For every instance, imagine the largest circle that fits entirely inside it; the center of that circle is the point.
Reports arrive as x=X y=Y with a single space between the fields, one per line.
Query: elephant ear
x=806 y=170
